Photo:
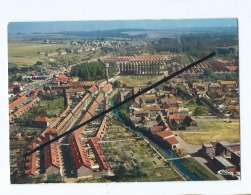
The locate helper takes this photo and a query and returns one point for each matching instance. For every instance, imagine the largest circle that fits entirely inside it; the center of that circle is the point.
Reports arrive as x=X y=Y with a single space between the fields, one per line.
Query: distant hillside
x=106 y=33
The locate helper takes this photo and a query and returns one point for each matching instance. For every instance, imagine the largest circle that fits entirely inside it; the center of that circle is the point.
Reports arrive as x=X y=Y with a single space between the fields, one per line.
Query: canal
x=177 y=163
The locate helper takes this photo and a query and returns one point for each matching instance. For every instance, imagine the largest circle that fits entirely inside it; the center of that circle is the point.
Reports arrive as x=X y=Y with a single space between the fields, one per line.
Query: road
x=189 y=148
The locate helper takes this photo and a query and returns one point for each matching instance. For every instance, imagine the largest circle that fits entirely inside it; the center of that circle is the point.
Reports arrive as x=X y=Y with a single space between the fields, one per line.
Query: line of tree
x=199 y=44
x=93 y=70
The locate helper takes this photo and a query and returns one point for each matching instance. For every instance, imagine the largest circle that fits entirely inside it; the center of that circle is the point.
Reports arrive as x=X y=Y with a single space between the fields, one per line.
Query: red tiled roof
x=107 y=87
x=176 y=117
x=228 y=82
x=99 y=154
x=93 y=107
x=31 y=169
x=172 y=140
x=175 y=110
x=25 y=107
x=73 y=90
x=121 y=96
x=17 y=102
x=42 y=119
x=165 y=134
x=101 y=127
x=93 y=89
x=62 y=77
x=99 y=98
x=232 y=68
x=156 y=128
x=135 y=90
x=106 y=105
x=153 y=108
x=51 y=152
x=80 y=157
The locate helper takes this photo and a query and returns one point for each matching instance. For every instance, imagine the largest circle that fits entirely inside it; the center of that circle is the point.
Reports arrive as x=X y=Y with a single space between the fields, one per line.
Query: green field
x=198 y=169
x=21 y=53
x=212 y=130
x=53 y=107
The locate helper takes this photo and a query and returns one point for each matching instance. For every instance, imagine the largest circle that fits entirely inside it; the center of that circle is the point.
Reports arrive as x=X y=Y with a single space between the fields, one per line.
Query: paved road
x=189 y=148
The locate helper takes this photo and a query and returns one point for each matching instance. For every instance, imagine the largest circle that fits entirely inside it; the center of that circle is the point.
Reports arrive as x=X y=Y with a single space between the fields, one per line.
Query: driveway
x=189 y=148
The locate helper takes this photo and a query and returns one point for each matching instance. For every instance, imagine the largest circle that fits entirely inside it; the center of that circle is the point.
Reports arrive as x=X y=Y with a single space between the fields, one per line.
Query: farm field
x=212 y=130
x=26 y=53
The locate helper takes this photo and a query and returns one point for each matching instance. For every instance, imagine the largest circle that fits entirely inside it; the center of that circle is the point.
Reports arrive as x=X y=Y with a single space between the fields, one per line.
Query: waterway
x=177 y=163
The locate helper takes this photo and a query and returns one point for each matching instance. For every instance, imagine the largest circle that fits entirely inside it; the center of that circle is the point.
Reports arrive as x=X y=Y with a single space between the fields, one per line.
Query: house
x=107 y=89
x=180 y=111
x=17 y=102
x=167 y=137
x=62 y=79
x=42 y=121
x=101 y=128
x=199 y=86
x=225 y=148
x=52 y=158
x=93 y=90
x=214 y=87
x=155 y=129
x=189 y=124
x=209 y=149
x=223 y=164
x=121 y=96
x=99 y=154
x=81 y=161
x=236 y=159
x=31 y=161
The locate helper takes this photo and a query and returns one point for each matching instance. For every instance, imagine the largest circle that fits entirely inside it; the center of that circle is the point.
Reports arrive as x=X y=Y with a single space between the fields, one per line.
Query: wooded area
x=93 y=70
x=200 y=45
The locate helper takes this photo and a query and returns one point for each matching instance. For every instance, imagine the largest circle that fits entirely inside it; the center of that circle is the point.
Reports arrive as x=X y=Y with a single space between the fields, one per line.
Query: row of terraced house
x=79 y=142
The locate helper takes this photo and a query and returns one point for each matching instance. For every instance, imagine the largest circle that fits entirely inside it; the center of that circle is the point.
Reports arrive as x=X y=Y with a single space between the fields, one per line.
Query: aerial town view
x=61 y=74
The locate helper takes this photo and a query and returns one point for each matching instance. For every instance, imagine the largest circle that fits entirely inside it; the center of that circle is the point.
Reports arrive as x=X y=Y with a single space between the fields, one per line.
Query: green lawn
x=212 y=130
x=198 y=169
x=53 y=107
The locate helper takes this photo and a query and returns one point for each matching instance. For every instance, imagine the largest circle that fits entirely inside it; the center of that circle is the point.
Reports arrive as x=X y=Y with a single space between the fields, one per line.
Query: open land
x=212 y=130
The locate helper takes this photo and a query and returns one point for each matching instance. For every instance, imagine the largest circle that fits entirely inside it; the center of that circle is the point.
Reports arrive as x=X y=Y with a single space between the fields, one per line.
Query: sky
x=52 y=27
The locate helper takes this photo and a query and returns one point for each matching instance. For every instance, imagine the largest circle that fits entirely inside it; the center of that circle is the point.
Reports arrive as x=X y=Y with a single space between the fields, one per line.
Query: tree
x=54 y=178
x=200 y=111
x=117 y=84
x=149 y=83
x=120 y=171
x=39 y=63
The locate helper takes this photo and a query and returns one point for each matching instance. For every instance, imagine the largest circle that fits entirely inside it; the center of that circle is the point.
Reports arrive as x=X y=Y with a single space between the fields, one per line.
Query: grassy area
x=212 y=130
x=53 y=107
x=30 y=49
x=153 y=175
x=26 y=53
x=132 y=81
x=198 y=169
x=20 y=143
x=190 y=104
